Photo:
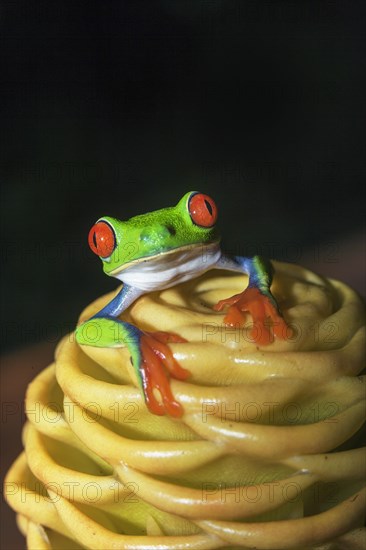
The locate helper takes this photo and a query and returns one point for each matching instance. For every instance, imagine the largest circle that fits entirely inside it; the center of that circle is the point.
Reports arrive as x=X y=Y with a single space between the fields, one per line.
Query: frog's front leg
x=256 y=299
x=151 y=357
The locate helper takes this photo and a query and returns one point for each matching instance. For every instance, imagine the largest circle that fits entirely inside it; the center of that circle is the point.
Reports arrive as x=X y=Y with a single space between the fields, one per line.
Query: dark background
x=121 y=107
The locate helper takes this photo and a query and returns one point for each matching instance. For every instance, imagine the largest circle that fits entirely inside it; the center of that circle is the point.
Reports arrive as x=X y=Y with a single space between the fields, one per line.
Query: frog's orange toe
x=234 y=317
x=226 y=302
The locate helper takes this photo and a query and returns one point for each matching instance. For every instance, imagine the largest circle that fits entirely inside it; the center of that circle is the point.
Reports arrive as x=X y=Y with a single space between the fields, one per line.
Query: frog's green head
x=189 y=224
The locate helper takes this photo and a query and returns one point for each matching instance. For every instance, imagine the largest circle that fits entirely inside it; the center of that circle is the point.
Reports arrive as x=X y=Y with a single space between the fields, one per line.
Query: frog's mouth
x=170 y=267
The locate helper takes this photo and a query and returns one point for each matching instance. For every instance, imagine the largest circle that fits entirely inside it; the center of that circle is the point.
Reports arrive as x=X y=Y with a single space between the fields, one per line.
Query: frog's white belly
x=170 y=268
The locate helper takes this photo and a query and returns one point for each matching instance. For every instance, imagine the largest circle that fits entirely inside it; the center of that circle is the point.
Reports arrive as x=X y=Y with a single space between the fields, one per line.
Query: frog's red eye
x=202 y=210
x=102 y=239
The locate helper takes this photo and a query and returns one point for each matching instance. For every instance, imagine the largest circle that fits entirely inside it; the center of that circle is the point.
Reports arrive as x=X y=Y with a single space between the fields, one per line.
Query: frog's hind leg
x=157 y=355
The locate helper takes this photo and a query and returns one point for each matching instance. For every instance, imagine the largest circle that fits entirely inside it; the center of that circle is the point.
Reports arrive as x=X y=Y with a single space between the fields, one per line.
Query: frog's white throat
x=170 y=268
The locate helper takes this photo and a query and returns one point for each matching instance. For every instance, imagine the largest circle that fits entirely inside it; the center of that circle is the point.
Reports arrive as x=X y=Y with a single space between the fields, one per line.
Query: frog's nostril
x=171 y=230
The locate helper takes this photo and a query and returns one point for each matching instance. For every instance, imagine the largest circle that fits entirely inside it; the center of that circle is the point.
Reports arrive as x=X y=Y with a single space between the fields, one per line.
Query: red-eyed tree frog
x=160 y=249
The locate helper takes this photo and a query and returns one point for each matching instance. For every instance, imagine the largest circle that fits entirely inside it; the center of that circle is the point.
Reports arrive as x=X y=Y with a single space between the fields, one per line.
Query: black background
x=119 y=108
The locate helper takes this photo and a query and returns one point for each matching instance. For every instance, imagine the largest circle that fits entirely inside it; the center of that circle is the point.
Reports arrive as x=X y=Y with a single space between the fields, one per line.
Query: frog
x=157 y=250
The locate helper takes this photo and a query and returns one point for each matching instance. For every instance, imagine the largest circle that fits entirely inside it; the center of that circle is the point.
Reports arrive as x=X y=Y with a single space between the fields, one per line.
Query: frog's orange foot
x=267 y=320
x=158 y=364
